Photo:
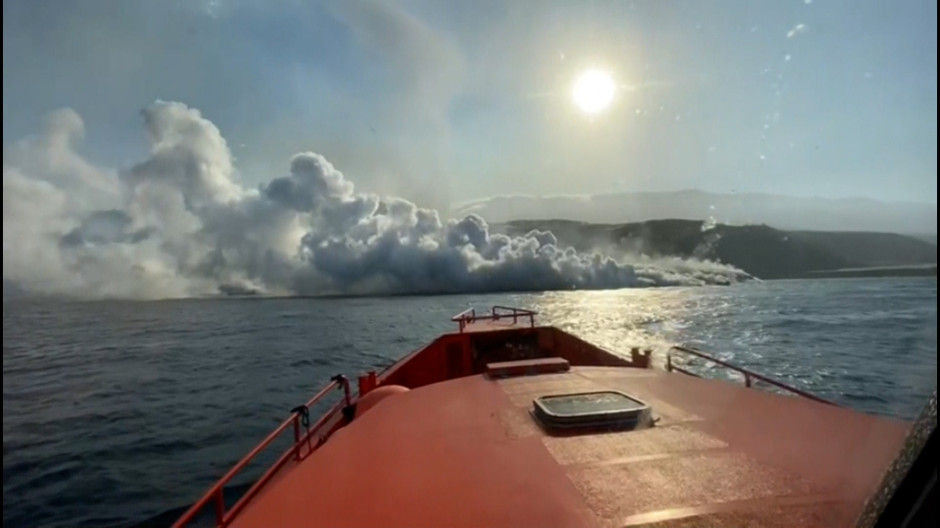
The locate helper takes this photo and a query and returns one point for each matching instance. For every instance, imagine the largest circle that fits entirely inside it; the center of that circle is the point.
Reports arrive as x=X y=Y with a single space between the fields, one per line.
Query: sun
x=594 y=91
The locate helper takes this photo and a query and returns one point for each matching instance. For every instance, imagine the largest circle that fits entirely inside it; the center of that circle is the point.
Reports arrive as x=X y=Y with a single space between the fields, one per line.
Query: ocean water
x=117 y=411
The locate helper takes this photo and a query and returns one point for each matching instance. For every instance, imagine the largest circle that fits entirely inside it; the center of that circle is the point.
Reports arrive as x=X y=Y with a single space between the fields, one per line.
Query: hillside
x=785 y=212
x=760 y=250
x=872 y=249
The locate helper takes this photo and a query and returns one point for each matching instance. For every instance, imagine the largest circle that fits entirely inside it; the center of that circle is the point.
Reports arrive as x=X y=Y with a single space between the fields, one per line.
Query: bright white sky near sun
x=444 y=102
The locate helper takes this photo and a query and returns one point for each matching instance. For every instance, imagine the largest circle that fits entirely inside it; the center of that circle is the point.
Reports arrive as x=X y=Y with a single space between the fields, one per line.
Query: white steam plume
x=179 y=224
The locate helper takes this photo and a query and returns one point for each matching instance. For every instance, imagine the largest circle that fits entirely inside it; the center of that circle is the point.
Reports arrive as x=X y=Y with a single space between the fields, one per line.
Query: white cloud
x=50 y=156
x=184 y=226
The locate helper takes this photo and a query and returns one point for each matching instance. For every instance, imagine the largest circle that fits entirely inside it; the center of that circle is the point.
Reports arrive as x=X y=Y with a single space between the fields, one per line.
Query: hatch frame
x=614 y=419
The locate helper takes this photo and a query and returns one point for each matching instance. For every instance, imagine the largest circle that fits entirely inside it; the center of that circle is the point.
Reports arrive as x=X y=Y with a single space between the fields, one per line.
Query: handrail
x=748 y=374
x=469 y=315
x=215 y=493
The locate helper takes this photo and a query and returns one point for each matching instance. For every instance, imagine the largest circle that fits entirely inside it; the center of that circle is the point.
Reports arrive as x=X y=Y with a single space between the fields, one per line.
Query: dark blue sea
x=116 y=411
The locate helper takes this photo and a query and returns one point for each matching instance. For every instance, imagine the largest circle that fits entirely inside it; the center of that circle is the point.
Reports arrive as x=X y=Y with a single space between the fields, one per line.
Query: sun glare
x=594 y=91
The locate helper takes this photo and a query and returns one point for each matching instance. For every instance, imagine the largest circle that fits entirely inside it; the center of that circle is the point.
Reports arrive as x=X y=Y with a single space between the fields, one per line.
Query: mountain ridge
x=788 y=212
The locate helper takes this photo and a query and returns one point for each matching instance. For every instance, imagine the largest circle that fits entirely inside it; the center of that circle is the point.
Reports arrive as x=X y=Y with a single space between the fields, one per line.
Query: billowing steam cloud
x=179 y=224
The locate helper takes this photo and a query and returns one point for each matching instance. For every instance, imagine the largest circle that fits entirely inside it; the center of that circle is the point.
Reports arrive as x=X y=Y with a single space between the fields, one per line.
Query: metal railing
x=299 y=414
x=497 y=312
x=749 y=375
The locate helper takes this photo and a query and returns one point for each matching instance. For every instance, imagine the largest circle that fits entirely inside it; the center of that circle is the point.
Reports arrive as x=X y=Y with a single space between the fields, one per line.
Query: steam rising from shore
x=179 y=224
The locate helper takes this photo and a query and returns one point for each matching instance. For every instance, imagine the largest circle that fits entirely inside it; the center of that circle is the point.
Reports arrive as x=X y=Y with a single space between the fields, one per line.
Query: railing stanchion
x=344 y=383
x=296 y=436
x=219 y=507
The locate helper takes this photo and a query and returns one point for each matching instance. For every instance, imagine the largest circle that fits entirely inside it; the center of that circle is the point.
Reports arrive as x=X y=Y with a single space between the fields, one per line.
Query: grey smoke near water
x=179 y=224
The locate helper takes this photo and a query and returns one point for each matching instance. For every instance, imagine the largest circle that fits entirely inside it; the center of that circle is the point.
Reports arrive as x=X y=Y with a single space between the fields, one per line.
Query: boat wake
x=179 y=224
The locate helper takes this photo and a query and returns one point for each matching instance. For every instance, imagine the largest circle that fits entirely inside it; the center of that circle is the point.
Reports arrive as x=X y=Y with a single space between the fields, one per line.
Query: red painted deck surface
x=466 y=453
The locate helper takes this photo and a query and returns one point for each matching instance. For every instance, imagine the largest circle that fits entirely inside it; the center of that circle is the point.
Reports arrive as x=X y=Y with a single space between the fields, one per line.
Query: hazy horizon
x=779 y=211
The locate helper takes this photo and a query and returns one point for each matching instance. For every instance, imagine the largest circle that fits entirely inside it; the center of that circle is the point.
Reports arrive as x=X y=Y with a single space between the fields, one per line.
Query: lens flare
x=594 y=91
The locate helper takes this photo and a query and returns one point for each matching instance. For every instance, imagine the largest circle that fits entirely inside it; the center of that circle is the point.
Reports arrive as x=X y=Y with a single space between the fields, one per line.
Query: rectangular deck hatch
x=590 y=410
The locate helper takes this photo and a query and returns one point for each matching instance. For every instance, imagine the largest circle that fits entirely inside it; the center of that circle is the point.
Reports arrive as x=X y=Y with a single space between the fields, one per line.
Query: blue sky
x=445 y=102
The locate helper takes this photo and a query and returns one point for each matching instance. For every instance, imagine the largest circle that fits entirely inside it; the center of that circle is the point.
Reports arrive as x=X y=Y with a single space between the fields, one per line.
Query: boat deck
x=467 y=453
